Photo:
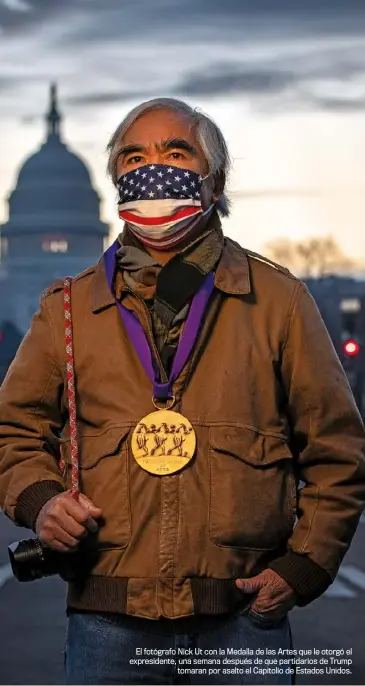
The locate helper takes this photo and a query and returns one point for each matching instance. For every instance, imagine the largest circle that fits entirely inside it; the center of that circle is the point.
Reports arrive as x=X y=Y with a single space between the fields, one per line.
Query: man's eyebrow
x=181 y=143
x=168 y=144
x=132 y=147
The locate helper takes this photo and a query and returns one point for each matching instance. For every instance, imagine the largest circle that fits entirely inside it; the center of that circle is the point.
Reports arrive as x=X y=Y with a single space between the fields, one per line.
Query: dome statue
x=53 y=187
x=54 y=227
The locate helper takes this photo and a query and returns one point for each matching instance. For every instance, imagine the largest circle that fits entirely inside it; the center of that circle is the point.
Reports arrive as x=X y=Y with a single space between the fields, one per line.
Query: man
x=207 y=389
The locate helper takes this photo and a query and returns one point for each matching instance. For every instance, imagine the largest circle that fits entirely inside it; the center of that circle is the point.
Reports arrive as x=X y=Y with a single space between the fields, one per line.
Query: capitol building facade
x=54 y=228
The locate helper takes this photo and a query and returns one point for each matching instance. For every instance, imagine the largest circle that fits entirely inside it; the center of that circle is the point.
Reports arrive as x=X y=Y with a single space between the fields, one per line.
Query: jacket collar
x=232 y=276
x=101 y=295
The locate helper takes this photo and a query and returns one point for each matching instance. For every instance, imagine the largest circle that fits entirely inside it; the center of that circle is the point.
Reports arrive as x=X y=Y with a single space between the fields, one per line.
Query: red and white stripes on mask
x=161 y=204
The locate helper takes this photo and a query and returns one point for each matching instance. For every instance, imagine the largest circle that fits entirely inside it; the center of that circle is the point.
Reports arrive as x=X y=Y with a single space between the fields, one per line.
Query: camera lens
x=30 y=560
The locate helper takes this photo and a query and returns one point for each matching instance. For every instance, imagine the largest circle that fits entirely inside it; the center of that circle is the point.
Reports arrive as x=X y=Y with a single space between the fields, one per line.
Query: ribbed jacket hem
x=216 y=596
x=98 y=594
x=109 y=594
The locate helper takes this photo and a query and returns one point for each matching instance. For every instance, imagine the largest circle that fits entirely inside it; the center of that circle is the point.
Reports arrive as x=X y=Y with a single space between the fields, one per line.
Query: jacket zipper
x=163 y=374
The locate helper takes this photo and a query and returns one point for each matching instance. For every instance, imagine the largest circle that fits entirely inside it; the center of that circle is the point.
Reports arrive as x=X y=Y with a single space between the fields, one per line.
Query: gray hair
x=207 y=133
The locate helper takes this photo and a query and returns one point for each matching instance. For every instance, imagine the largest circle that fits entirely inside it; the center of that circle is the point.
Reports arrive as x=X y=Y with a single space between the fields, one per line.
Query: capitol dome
x=54 y=188
x=54 y=227
x=52 y=163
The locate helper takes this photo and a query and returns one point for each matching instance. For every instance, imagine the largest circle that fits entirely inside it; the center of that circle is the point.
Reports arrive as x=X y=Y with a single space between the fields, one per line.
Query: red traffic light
x=351 y=348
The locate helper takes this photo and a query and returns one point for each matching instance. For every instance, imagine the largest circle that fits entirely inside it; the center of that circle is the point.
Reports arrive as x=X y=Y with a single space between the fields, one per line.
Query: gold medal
x=163 y=442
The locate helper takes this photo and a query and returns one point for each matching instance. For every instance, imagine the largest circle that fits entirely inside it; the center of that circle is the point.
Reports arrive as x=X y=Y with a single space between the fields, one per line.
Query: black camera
x=31 y=559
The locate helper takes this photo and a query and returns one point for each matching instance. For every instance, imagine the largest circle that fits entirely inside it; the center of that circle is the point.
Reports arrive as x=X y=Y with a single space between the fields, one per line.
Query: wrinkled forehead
x=162 y=130
x=158 y=125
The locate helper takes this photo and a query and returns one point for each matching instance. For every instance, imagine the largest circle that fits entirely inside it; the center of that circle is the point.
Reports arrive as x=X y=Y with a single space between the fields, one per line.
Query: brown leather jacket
x=271 y=407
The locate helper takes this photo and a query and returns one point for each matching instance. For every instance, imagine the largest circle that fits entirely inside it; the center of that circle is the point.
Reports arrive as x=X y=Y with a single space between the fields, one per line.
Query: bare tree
x=312 y=258
x=331 y=258
x=282 y=250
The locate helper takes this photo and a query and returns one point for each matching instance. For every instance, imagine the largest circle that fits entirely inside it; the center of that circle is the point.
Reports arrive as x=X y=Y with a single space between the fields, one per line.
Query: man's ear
x=219 y=183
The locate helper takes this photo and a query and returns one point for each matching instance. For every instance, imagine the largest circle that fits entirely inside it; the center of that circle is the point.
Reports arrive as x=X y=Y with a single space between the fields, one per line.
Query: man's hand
x=63 y=521
x=274 y=595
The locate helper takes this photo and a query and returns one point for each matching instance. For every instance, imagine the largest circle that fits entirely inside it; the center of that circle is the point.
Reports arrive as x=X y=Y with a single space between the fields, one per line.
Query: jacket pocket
x=252 y=502
x=104 y=478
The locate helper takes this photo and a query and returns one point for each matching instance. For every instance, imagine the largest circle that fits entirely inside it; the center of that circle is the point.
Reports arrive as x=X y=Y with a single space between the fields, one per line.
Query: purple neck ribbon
x=162 y=391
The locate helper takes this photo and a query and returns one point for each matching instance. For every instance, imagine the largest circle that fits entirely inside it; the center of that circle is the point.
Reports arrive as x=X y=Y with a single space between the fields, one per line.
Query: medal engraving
x=163 y=442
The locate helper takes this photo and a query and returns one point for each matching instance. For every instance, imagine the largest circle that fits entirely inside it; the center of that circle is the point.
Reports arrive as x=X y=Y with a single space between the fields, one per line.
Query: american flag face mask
x=161 y=203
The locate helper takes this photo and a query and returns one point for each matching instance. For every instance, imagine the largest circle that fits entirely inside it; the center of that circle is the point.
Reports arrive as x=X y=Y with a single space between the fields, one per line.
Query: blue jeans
x=101 y=648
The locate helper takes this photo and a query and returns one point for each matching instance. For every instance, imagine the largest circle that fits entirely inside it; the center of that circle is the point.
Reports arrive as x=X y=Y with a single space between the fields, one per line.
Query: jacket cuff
x=306 y=578
x=32 y=499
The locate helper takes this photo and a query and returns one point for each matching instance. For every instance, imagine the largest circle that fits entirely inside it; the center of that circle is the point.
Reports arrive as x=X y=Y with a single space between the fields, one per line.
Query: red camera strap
x=70 y=378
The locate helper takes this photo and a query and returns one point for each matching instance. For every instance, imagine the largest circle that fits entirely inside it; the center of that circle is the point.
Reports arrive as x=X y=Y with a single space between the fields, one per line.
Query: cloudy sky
x=284 y=79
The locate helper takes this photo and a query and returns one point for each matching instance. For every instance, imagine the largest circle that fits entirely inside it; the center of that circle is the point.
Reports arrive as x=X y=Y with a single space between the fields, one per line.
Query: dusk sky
x=284 y=80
